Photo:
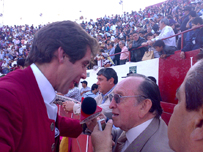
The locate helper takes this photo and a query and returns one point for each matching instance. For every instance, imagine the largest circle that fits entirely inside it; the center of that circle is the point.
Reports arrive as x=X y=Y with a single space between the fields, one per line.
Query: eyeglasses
x=118 y=97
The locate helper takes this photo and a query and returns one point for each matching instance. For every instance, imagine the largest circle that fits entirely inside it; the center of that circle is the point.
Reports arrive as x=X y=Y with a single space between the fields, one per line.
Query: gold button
x=53 y=147
x=52 y=126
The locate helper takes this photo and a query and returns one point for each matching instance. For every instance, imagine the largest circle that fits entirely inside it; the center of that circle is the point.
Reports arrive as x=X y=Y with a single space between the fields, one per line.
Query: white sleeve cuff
x=76 y=108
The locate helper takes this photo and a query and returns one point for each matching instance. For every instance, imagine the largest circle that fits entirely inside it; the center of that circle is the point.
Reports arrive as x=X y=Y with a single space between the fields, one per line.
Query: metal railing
x=182 y=38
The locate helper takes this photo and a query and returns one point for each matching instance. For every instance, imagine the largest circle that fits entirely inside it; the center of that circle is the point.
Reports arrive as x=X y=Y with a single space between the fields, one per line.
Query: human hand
x=144 y=43
x=101 y=116
x=59 y=93
x=150 y=43
x=105 y=136
x=163 y=56
x=91 y=124
x=68 y=105
x=182 y=55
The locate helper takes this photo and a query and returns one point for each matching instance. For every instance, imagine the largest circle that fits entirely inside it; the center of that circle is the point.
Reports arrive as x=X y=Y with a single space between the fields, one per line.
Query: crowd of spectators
x=121 y=33
x=144 y=27
x=15 y=44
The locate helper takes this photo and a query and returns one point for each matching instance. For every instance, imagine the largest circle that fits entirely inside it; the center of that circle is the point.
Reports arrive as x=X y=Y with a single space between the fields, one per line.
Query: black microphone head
x=89 y=105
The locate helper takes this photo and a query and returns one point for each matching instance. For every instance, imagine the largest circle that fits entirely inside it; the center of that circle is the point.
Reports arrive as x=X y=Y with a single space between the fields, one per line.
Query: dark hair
x=109 y=73
x=85 y=82
x=101 y=50
x=157 y=32
x=159 y=43
x=150 y=34
x=135 y=32
x=66 y=34
x=150 y=90
x=152 y=78
x=94 y=86
x=169 y=17
x=21 y=62
x=193 y=13
x=199 y=56
x=194 y=88
x=197 y=20
x=110 y=44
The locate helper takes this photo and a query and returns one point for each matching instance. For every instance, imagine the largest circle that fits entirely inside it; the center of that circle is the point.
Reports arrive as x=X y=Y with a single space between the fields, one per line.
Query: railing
x=182 y=38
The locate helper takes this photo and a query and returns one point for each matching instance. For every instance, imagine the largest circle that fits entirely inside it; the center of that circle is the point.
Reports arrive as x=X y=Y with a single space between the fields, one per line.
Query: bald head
x=132 y=84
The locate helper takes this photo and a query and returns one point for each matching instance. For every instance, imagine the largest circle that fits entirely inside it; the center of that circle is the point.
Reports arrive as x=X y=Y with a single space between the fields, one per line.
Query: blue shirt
x=104 y=97
x=90 y=94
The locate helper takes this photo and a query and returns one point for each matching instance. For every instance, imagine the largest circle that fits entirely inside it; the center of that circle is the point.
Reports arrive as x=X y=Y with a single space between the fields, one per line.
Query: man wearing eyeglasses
x=136 y=111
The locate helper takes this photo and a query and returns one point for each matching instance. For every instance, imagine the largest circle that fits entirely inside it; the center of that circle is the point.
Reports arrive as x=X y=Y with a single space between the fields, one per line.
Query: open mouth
x=115 y=115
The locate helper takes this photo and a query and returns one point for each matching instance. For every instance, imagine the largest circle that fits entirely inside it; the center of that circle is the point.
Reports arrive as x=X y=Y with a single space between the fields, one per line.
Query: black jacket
x=168 y=50
x=117 y=50
x=137 y=54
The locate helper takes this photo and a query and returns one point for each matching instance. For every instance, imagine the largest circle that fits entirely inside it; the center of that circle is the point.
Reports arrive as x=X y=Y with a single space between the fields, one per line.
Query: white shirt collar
x=133 y=133
x=47 y=92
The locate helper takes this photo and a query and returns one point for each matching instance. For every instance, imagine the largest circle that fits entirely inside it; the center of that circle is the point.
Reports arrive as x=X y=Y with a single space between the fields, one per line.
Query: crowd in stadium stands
x=15 y=44
x=147 y=28
x=121 y=33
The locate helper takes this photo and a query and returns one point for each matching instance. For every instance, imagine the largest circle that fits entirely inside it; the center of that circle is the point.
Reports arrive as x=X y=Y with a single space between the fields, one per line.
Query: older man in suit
x=136 y=111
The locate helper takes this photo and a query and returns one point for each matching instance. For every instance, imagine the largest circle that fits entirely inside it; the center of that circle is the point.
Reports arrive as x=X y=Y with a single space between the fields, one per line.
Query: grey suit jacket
x=153 y=139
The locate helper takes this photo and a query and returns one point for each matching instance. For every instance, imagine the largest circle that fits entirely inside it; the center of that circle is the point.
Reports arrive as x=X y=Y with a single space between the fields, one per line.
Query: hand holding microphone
x=105 y=136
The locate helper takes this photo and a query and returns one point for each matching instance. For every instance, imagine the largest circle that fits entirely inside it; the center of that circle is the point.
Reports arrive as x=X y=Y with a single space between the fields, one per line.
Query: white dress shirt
x=47 y=92
x=166 y=32
x=133 y=133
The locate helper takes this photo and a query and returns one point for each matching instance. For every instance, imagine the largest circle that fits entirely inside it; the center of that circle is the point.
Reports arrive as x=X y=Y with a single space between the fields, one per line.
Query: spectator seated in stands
x=166 y=31
x=194 y=39
x=150 y=36
x=21 y=64
x=74 y=93
x=192 y=15
x=5 y=67
x=100 y=58
x=107 y=63
x=111 y=50
x=137 y=54
x=164 y=50
x=125 y=53
x=93 y=93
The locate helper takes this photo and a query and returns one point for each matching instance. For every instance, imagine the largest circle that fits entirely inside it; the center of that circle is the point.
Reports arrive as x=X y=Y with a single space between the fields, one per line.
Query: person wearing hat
x=85 y=88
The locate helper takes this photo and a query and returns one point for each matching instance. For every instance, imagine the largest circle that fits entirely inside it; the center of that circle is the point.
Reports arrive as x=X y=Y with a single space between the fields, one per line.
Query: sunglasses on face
x=118 y=97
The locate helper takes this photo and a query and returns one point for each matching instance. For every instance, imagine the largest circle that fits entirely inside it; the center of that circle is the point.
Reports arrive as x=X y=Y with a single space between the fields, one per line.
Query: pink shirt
x=125 y=54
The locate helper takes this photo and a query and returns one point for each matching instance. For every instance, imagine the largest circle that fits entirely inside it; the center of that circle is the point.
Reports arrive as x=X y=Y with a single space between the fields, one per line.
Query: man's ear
x=197 y=133
x=60 y=55
x=111 y=80
x=145 y=106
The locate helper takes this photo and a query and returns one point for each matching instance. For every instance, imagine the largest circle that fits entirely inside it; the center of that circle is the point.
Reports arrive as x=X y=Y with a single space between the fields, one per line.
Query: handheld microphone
x=89 y=110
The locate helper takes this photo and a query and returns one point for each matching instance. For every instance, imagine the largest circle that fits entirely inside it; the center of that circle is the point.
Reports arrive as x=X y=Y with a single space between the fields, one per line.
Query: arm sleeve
x=188 y=43
x=10 y=121
x=69 y=127
x=166 y=33
x=112 y=52
x=71 y=93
